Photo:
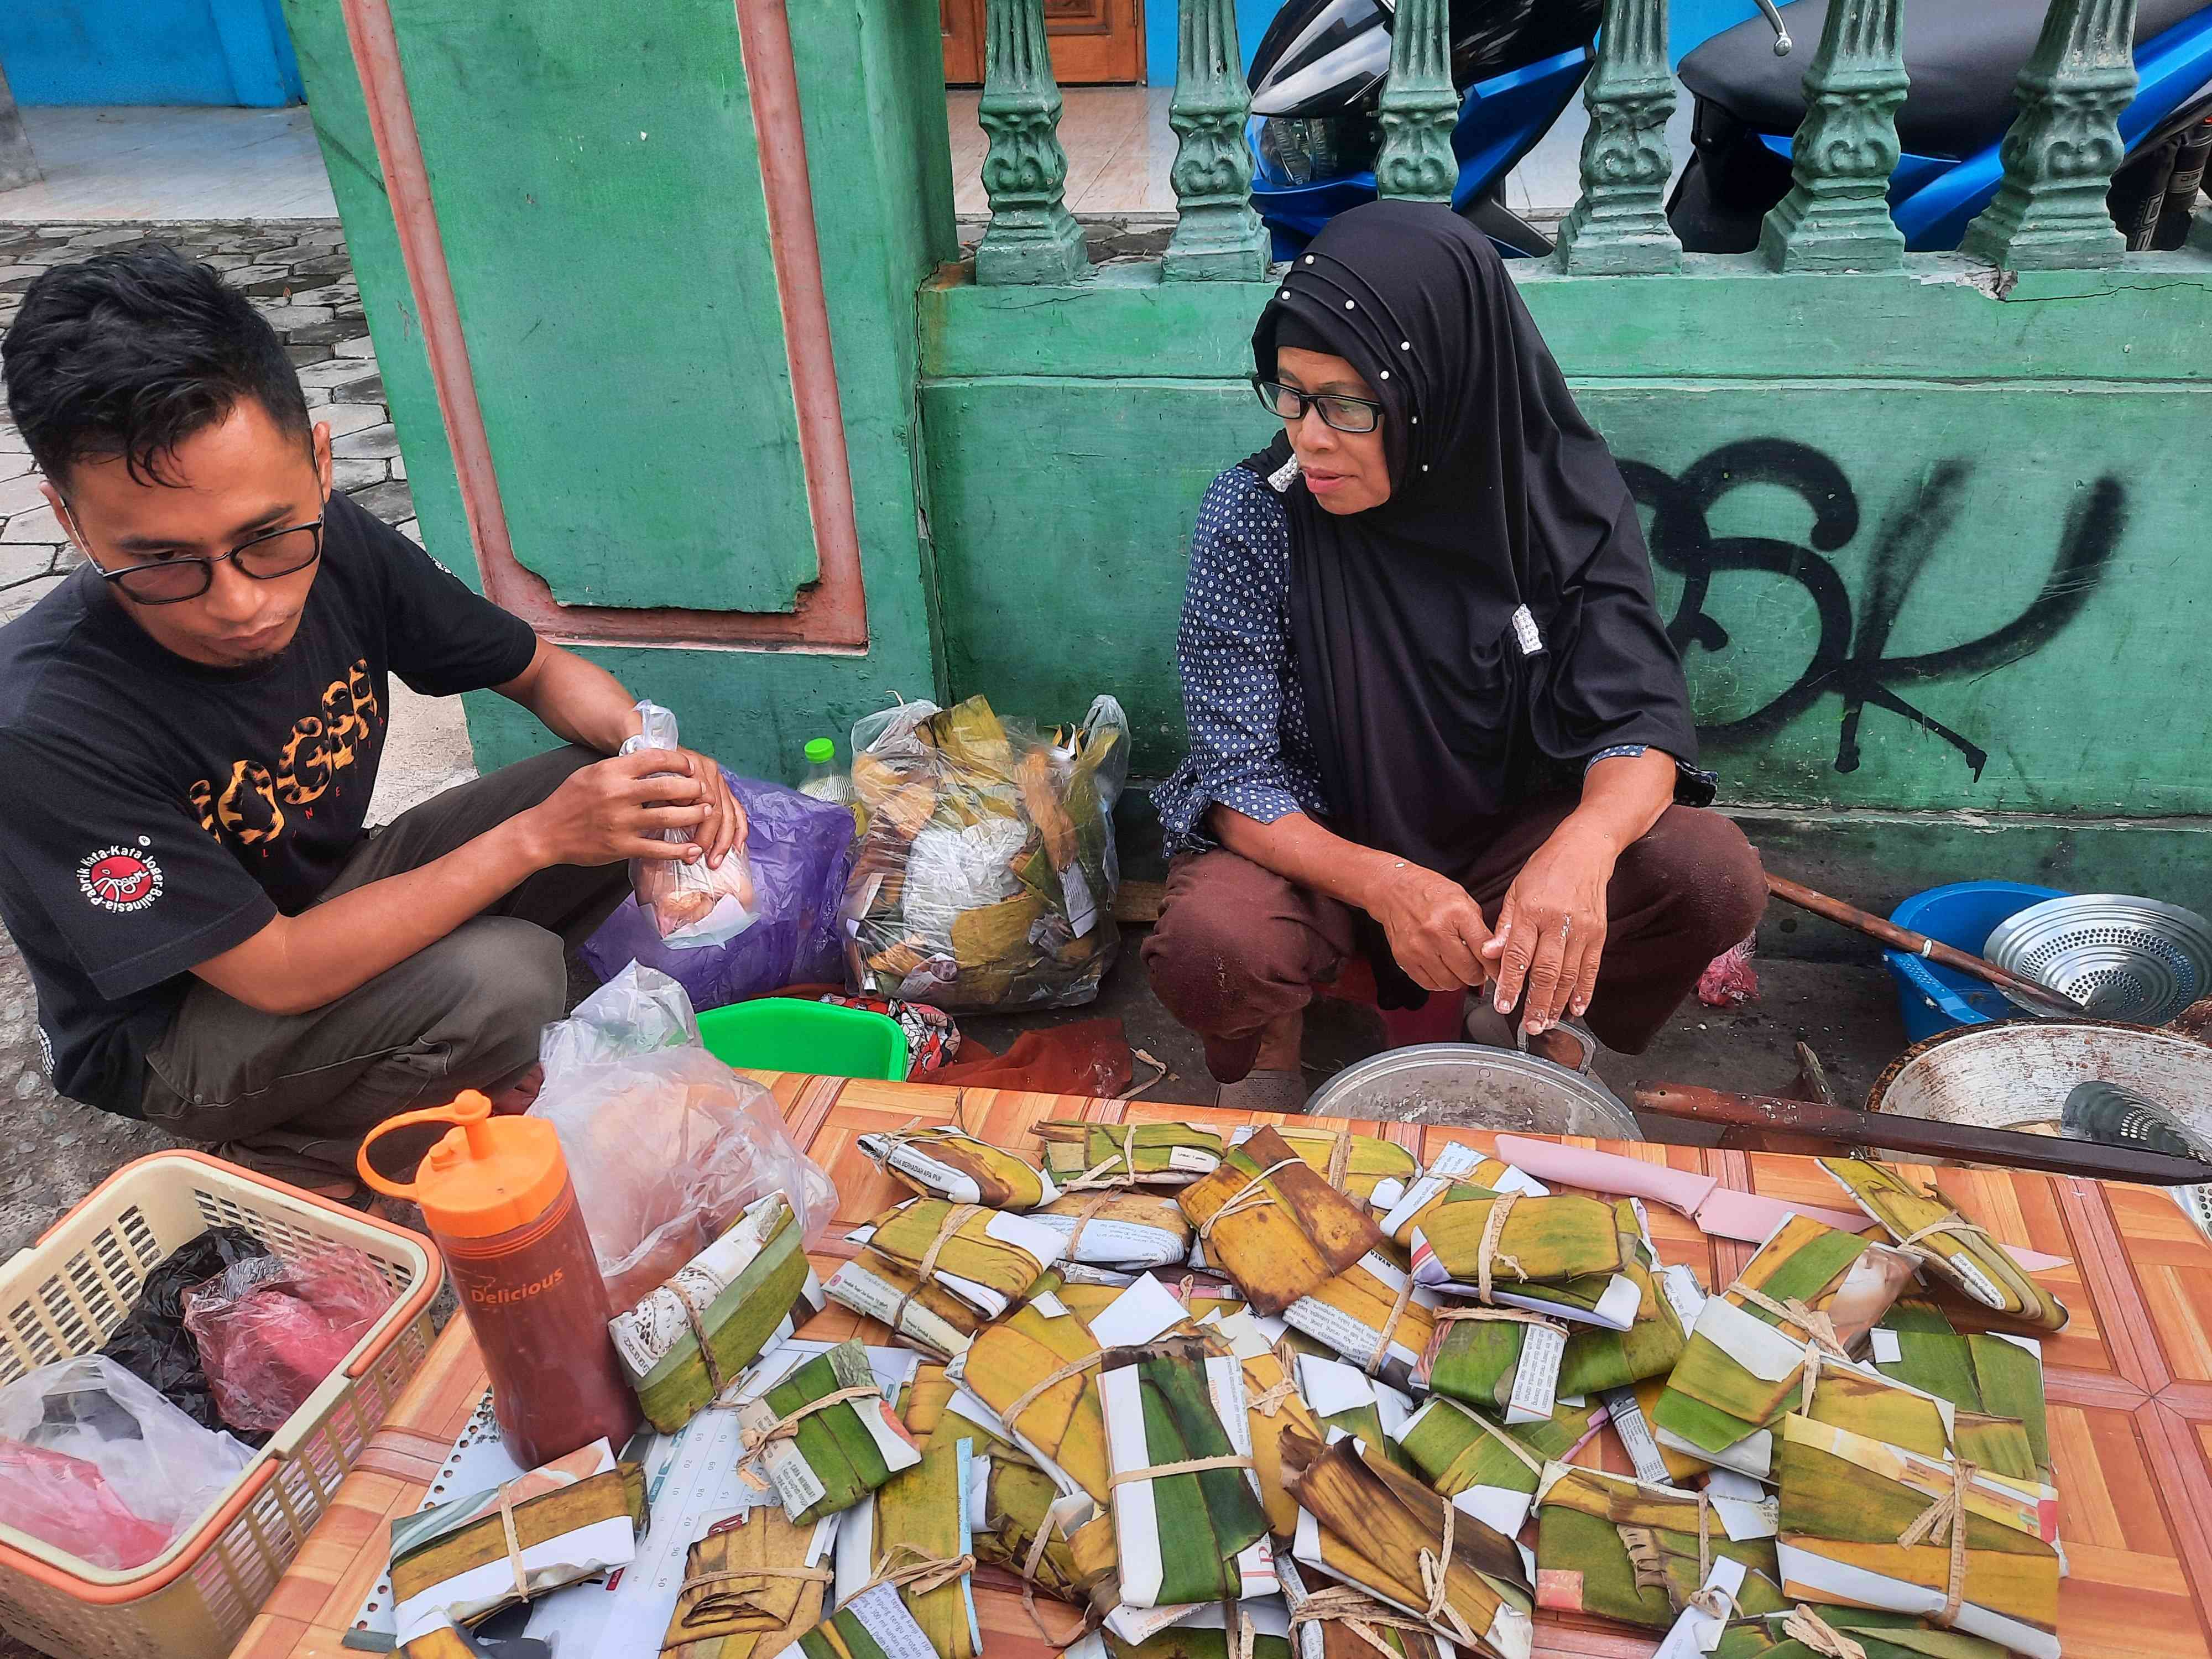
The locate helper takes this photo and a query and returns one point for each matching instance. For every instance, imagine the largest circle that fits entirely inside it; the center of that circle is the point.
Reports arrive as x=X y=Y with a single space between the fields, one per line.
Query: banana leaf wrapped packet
x=1928 y=1225
x=1118 y=1228
x=1205 y=1634
x=873 y=1624
x=1373 y=1314
x=748 y=1290
x=1376 y=1527
x=1188 y=1524
x=1609 y=1545
x=1458 y=1171
x=1012 y=1502
x=985 y=1258
x=1873 y=1524
x=573 y=1519
x=1504 y=1360
x=944 y=1161
x=1274 y=1405
x=1878 y=1634
x=1502 y=1248
x=1993 y=1377
x=1489 y=1471
x=1274 y=1226
x=1810 y=1288
x=1355 y=1164
x=1598 y=1360
x=925 y=1316
x=1037 y=1371
x=1084 y=1156
x=753 y=1585
x=822 y=1432
x=917 y=1531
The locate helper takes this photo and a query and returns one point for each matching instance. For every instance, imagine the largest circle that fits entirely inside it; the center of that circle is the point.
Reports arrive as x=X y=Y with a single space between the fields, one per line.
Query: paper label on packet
x=1536 y=1378
x=939 y=1177
x=1082 y=908
x=1105 y=1240
x=1626 y=1414
x=1887 y=1351
x=1683 y=1293
x=1193 y=1160
x=785 y=1465
x=883 y=1614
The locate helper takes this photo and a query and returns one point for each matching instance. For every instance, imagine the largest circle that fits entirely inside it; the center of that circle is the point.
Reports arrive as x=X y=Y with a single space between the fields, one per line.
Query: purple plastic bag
x=801 y=851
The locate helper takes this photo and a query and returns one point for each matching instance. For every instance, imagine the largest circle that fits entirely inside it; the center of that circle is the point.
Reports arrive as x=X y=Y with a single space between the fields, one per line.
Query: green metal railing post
x=1031 y=238
x=1836 y=217
x=2064 y=146
x=1217 y=234
x=1620 y=224
x=1419 y=106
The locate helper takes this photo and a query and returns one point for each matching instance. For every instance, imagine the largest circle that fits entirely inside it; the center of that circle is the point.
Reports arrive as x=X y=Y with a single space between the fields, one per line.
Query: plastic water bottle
x=827 y=781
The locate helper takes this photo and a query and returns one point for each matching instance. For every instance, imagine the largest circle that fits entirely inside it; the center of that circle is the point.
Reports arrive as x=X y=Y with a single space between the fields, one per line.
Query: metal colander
x=2125 y=958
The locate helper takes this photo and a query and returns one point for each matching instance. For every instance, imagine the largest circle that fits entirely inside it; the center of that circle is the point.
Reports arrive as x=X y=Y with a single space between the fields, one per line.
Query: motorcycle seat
x=1963 y=55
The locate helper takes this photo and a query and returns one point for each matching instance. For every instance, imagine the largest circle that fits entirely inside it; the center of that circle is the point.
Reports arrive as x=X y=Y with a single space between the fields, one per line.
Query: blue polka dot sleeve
x=1249 y=747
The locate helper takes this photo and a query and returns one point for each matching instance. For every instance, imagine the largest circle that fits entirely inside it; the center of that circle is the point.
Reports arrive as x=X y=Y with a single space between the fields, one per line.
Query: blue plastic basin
x=1964 y=915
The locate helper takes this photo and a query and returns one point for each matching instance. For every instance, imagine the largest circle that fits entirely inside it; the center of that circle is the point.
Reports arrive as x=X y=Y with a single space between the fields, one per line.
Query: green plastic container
x=783 y=1034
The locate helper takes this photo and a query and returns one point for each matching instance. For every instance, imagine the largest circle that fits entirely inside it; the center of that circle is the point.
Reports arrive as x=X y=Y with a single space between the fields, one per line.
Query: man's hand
x=724 y=826
x=1436 y=931
x=609 y=812
x=1551 y=930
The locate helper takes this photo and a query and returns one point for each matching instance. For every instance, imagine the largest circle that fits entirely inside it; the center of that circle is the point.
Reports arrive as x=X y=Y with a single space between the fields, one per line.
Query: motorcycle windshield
x=1320 y=56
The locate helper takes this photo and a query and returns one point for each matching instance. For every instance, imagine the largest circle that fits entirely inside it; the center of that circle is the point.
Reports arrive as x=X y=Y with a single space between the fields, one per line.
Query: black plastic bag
x=152 y=1342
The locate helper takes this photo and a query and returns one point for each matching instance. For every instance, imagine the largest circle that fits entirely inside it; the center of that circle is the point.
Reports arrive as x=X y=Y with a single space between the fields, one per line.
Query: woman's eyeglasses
x=172 y=579
x=1290 y=405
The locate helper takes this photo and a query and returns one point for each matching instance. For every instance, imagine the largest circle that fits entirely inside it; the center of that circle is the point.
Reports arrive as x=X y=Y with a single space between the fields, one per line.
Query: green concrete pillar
x=1620 y=224
x=1836 y=217
x=1032 y=237
x=1217 y=234
x=2062 y=148
x=1419 y=108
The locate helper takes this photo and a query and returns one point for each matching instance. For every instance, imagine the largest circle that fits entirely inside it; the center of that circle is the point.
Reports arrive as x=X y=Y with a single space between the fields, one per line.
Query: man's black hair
x=130 y=354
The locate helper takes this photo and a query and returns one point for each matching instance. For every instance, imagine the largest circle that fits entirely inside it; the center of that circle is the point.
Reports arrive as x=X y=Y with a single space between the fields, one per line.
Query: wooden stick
x=1758 y=1116
x=1920 y=944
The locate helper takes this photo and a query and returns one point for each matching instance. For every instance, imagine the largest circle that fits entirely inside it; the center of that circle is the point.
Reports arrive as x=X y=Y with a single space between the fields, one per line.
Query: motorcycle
x=1316 y=83
x=1963 y=60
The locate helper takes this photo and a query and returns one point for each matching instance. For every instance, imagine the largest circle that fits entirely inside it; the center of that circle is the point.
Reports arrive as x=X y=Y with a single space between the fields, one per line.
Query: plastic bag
x=151 y=1460
x=269 y=1331
x=152 y=1340
x=692 y=905
x=986 y=877
x=666 y=1145
x=801 y=851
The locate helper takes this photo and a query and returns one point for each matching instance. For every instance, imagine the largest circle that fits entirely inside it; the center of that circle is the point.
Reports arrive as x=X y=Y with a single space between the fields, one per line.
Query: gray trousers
x=294 y=1094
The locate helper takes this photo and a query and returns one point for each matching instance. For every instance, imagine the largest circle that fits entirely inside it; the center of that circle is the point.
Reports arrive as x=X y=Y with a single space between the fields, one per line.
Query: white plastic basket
x=64 y=1295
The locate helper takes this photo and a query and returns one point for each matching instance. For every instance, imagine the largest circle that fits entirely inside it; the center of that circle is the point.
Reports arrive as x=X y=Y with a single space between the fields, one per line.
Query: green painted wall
x=1960 y=506
x=877 y=150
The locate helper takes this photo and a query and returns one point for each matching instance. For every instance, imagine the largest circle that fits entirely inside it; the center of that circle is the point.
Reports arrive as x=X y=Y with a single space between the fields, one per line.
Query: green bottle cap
x=820 y=751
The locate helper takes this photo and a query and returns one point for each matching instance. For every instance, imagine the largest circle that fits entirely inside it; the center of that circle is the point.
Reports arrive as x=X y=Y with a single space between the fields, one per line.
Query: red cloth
x=1086 y=1057
x=66 y=1502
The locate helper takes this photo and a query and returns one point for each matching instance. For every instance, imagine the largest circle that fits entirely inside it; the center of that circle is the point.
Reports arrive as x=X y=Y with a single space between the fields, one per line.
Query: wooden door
x=1094 y=42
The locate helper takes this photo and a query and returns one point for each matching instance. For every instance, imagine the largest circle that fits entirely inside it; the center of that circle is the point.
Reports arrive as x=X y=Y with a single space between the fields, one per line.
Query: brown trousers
x=1238 y=947
x=294 y=1094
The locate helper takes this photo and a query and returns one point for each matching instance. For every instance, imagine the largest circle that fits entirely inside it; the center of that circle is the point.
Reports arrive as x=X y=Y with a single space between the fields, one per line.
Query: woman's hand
x=1551 y=930
x=1436 y=931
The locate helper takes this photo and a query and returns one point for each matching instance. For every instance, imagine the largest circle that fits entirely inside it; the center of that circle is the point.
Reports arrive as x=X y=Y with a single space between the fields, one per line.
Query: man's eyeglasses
x=1290 y=405
x=174 y=578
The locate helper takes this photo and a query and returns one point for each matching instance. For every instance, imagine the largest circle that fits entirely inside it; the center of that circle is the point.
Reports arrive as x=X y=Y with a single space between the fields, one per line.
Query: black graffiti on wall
x=1851 y=657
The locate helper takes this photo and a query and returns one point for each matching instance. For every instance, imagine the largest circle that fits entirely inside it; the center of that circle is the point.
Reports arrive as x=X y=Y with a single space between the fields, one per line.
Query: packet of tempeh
x=748 y=1291
x=1493 y=1248
x=1994 y=1378
x=1188 y=1524
x=1037 y=1370
x=1504 y=1360
x=1086 y=1156
x=1927 y=1225
x=1458 y=1171
x=1352 y=1164
x=1376 y=1527
x=873 y=1624
x=1809 y=1632
x=1206 y=1634
x=563 y=1522
x=1118 y=1228
x=925 y=1316
x=985 y=1257
x=1609 y=1545
x=1811 y=1289
x=1273 y=1226
x=1373 y=1314
x=917 y=1531
x=1275 y=1407
x=751 y=1585
x=1597 y=1360
x=824 y=1434
x=943 y=1160
x=1340 y=1622
x=1489 y=1471
x=1014 y=1504
x=1873 y=1524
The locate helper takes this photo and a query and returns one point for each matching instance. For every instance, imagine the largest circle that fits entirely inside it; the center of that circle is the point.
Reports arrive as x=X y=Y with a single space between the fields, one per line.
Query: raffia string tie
x=1358 y=1613
x=1945 y=1516
x=1493 y=1231
x=1705 y=1536
x=955 y=1219
x=1820 y=1334
x=1269 y=1399
x=1435 y=1570
x=1028 y=1396
x=1951 y=1223
x=715 y=1382
x=1084 y=1217
x=1715 y=1602
x=786 y=1427
x=1031 y=1565
x=1818 y=1634
x=1188 y=1466
x=1252 y=1195
x=1340 y=1158
x=1096 y=1176
x=1235 y=1618
x=513 y=1541
x=1535 y=1464
x=1390 y=1326
x=920 y=1572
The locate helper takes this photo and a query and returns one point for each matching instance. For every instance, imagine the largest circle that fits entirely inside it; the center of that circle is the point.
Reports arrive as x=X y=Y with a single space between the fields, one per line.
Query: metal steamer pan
x=1465 y=1085
x=2017 y=1073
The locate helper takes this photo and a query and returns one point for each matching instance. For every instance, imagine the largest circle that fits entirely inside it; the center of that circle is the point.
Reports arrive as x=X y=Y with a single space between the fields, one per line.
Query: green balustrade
x=1032 y=237
x=1836 y=217
x=1419 y=106
x=1217 y=234
x=1620 y=224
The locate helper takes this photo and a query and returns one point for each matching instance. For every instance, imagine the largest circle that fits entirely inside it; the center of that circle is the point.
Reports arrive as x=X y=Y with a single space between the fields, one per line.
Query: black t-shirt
x=155 y=812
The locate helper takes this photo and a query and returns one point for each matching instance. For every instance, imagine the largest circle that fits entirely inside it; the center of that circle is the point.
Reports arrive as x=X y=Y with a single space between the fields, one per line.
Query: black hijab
x=1479 y=636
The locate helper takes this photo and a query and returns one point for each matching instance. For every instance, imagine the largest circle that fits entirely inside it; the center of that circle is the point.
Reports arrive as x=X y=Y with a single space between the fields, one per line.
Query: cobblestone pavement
x=53 y=1151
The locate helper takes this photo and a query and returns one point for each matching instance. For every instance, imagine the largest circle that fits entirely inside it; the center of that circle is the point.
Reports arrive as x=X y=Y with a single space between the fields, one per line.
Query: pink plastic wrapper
x=269 y=1330
x=66 y=1502
x=1730 y=981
